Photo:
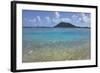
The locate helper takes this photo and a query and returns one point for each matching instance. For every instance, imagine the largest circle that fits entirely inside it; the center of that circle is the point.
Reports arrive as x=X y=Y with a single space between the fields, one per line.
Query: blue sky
x=33 y=18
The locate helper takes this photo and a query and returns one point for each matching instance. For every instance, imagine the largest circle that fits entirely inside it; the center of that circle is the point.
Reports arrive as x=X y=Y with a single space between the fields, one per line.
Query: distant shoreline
x=57 y=27
x=60 y=25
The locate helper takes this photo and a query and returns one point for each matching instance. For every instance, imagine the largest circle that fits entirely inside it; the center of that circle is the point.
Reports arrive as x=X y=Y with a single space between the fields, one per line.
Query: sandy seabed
x=55 y=51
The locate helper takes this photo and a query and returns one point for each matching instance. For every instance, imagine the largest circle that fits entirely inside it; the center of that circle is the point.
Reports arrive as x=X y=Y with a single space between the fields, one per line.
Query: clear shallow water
x=55 y=40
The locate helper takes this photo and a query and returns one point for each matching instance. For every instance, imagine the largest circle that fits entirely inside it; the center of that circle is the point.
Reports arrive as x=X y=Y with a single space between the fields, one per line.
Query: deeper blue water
x=55 y=34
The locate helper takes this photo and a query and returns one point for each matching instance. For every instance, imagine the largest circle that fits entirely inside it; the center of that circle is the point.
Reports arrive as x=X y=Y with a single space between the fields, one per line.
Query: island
x=67 y=25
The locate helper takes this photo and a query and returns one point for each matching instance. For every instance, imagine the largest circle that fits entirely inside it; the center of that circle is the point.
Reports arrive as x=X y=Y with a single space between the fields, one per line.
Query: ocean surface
x=55 y=44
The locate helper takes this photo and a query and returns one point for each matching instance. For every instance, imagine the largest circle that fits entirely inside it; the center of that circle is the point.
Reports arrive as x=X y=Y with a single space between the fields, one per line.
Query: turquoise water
x=49 y=44
x=55 y=34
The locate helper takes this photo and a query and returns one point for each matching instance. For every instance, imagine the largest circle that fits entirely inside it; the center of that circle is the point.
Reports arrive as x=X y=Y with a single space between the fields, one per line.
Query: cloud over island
x=32 y=18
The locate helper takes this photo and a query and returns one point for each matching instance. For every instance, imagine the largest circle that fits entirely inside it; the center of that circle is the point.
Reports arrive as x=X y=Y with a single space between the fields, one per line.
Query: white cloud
x=57 y=14
x=74 y=16
x=80 y=19
x=56 y=20
x=47 y=18
x=39 y=19
x=61 y=20
x=85 y=18
x=66 y=19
